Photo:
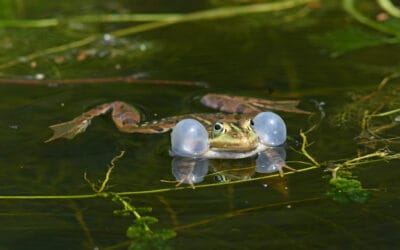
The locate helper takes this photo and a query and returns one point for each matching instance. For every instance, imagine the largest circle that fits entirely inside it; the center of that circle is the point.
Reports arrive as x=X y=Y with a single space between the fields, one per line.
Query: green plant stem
x=383 y=128
x=232 y=214
x=49 y=197
x=112 y=18
x=42 y=23
x=153 y=191
x=106 y=179
x=349 y=6
x=390 y=112
x=79 y=218
x=387 y=79
x=357 y=160
x=224 y=12
x=103 y=80
x=366 y=159
x=300 y=162
x=49 y=51
x=109 y=171
x=106 y=18
x=244 y=211
x=389 y=7
x=304 y=150
x=228 y=12
x=128 y=207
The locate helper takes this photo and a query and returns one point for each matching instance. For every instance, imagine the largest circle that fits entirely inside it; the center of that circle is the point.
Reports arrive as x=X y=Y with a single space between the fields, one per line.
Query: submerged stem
x=390 y=112
x=52 y=50
x=152 y=191
x=105 y=18
x=389 y=7
x=349 y=6
x=218 y=13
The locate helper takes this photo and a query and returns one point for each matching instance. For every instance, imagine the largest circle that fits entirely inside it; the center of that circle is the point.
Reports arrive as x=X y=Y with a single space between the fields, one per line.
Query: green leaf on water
x=347 y=190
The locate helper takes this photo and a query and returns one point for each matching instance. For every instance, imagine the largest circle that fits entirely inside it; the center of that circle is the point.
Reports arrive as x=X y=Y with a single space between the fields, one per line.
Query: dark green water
x=258 y=55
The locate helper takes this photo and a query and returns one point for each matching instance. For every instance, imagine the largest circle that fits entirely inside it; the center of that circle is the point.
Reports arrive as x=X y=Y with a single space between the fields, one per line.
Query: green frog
x=231 y=133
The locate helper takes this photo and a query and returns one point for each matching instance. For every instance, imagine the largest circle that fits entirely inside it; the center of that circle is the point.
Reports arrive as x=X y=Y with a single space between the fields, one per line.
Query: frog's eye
x=270 y=128
x=189 y=138
x=251 y=123
x=219 y=128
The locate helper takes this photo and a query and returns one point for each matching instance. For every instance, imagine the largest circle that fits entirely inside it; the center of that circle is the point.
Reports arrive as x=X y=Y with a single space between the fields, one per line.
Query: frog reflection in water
x=232 y=134
x=194 y=170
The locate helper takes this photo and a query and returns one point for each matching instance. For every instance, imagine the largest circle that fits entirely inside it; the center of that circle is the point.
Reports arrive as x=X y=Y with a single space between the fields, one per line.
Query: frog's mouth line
x=215 y=154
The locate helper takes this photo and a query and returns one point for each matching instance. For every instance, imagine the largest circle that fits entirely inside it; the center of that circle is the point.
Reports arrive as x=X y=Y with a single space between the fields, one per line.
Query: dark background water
x=259 y=55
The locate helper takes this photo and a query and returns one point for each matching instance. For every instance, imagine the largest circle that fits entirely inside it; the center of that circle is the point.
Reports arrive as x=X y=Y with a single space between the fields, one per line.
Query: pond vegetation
x=338 y=58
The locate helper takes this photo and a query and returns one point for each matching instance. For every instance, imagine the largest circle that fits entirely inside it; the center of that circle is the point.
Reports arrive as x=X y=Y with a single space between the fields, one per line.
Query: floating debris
x=39 y=76
x=14 y=127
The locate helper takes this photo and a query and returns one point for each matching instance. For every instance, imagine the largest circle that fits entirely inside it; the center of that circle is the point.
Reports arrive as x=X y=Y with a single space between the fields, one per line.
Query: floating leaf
x=344 y=190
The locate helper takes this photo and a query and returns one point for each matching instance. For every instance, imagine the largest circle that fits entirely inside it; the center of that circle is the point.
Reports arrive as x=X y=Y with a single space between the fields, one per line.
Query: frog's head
x=240 y=139
x=236 y=137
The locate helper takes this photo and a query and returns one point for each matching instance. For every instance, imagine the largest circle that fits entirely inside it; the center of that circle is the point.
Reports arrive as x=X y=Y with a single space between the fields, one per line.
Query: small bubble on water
x=22 y=59
x=143 y=47
x=14 y=127
x=107 y=37
x=39 y=76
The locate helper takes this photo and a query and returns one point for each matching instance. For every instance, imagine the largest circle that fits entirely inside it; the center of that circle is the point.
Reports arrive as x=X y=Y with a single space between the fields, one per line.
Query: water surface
x=255 y=55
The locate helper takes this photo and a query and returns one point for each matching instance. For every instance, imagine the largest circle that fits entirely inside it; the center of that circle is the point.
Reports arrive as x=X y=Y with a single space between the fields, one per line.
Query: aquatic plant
x=154 y=21
x=142 y=237
x=379 y=28
x=347 y=190
x=373 y=114
x=363 y=111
